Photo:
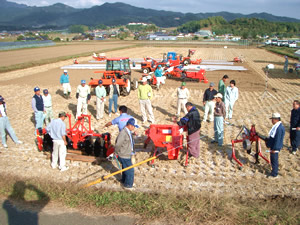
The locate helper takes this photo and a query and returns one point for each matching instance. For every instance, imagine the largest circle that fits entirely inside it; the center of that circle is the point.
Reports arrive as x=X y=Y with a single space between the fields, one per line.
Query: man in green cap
x=182 y=94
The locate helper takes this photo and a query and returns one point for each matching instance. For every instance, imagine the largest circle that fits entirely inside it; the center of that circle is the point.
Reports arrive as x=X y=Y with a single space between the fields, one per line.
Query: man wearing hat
x=64 y=81
x=37 y=104
x=182 y=97
x=231 y=96
x=286 y=65
x=114 y=93
x=209 y=103
x=83 y=94
x=5 y=125
x=275 y=142
x=145 y=96
x=124 y=148
x=100 y=101
x=159 y=76
x=219 y=116
x=57 y=131
x=48 y=106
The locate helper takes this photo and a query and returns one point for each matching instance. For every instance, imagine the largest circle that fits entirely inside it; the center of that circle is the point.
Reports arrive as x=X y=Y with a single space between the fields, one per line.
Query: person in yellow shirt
x=145 y=95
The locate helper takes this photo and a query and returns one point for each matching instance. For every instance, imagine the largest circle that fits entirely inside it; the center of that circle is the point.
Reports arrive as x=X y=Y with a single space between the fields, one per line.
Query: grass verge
x=4 y=69
x=203 y=208
x=282 y=51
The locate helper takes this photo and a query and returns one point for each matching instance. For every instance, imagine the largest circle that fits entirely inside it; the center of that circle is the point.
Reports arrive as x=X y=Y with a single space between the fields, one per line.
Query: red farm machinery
x=119 y=69
x=178 y=73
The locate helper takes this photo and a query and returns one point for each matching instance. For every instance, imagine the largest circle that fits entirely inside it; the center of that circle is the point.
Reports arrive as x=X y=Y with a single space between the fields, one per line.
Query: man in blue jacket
x=65 y=82
x=295 y=127
x=159 y=76
x=275 y=143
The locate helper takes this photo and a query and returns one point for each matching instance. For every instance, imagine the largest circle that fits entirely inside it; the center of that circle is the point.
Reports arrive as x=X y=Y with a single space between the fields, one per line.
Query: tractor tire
x=146 y=70
x=88 y=147
x=134 y=84
x=98 y=147
x=186 y=62
x=125 y=91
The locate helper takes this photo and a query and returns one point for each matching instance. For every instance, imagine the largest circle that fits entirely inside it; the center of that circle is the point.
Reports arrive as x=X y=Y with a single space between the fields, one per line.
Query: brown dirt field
x=213 y=171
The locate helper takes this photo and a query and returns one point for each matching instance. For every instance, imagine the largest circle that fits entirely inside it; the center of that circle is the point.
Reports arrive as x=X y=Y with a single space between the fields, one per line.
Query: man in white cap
x=219 y=116
x=114 y=93
x=145 y=95
x=83 y=94
x=275 y=143
x=5 y=125
x=100 y=94
x=37 y=104
x=48 y=106
x=209 y=103
x=65 y=82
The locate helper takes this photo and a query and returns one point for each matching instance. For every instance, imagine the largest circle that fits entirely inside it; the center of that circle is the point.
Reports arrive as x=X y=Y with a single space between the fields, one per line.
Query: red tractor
x=175 y=60
x=150 y=65
x=119 y=69
x=178 y=73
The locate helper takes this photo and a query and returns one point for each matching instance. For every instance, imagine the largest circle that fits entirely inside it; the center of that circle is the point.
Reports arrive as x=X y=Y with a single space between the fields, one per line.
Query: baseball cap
x=100 y=81
x=275 y=116
x=83 y=81
x=36 y=89
x=132 y=122
x=1 y=99
x=113 y=80
x=60 y=114
x=183 y=84
x=159 y=66
x=211 y=84
x=45 y=91
x=219 y=95
x=144 y=79
x=65 y=71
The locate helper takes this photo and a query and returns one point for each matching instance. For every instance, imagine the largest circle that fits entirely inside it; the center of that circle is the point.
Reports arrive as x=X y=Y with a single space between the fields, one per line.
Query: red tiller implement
x=80 y=137
x=248 y=137
x=178 y=74
x=166 y=136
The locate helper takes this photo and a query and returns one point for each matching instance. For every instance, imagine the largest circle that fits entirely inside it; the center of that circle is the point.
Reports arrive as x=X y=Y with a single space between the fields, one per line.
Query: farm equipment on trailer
x=79 y=137
x=166 y=136
x=119 y=69
x=175 y=60
x=178 y=73
x=248 y=137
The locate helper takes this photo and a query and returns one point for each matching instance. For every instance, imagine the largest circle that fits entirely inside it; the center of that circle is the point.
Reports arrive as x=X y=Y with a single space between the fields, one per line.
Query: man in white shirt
x=231 y=95
x=48 y=116
x=100 y=94
x=182 y=94
x=83 y=95
x=5 y=125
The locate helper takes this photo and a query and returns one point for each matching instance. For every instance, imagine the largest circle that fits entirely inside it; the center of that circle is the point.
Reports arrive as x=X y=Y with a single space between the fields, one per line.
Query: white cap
x=275 y=116
x=65 y=71
x=144 y=79
x=219 y=95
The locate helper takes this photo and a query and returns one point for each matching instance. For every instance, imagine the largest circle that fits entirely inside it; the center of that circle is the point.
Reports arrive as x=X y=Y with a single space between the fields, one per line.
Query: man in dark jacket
x=275 y=143
x=193 y=123
x=37 y=105
x=295 y=127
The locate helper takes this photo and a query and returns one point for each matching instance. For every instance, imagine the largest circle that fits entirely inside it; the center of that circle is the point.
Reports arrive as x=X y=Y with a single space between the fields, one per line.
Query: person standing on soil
x=182 y=97
x=65 y=82
x=286 y=65
x=295 y=127
x=193 y=123
x=122 y=120
x=124 y=148
x=145 y=96
x=83 y=95
x=222 y=87
x=231 y=95
x=57 y=131
x=5 y=125
x=159 y=76
x=48 y=106
x=219 y=116
x=275 y=143
x=209 y=103
x=100 y=101
x=37 y=104
x=114 y=93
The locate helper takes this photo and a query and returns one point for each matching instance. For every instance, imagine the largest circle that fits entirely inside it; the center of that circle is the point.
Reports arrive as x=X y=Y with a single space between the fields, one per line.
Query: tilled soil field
x=213 y=171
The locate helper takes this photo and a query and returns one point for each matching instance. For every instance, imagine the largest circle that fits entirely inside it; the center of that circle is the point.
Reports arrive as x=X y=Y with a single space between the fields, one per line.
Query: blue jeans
x=5 y=125
x=274 y=164
x=112 y=100
x=219 y=130
x=39 y=119
x=128 y=175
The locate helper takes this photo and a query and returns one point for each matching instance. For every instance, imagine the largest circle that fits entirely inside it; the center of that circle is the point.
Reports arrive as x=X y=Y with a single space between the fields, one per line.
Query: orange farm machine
x=179 y=74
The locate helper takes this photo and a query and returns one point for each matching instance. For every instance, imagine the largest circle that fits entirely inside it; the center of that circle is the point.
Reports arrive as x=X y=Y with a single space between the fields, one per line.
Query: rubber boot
x=69 y=96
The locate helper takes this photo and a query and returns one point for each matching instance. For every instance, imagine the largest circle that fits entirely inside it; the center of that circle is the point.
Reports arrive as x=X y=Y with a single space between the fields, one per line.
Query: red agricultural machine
x=79 y=137
x=150 y=65
x=166 y=136
x=179 y=74
x=174 y=59
x=100 y=57
x=248 y=137
x=238 y=59
x=119 y=69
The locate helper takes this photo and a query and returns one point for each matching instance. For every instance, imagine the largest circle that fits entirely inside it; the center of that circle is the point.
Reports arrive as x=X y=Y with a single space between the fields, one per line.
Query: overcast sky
x=290 y=8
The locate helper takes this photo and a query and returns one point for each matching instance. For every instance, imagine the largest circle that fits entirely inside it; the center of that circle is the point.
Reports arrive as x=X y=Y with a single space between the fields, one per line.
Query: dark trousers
x=274 y=164
x=128 y=175
x=295 y=139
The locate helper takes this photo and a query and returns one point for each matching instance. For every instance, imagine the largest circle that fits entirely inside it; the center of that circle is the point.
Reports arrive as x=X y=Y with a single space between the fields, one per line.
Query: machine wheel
x=186 y=62
x=126 y=90
x=134 y=84
x=88 y=146
x=146 y=70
